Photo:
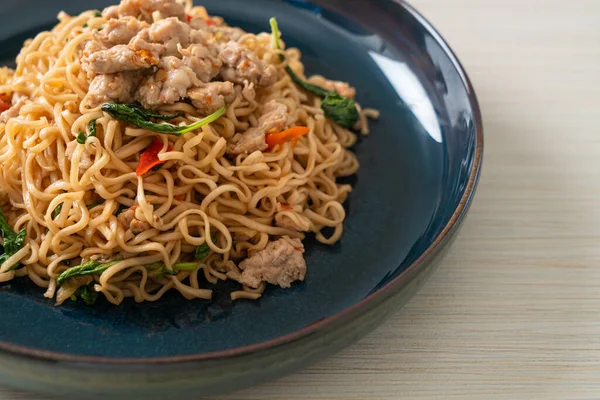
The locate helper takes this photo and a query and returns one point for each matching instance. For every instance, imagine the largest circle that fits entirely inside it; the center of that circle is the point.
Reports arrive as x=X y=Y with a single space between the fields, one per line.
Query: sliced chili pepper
x=208 y=21
x=149 y=157
x=273 y=139
x=4 y=106
x=294 y=142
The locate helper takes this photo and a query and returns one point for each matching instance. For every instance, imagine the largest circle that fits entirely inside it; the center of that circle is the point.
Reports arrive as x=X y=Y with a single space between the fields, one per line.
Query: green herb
x=159 y=269
x=97 y=14
x=317 y=90
x=57 y=211
x=96 y=268
x=151 y=114
x=190 y=266
x=140 y=118
x=88 y=294
x=85 y=26
x=203 y=250
x=155 y=266
x=89 y=268
x=336 y=107
x=13 y=241
x=340 y=109
x=92 y=128
x=81 y=138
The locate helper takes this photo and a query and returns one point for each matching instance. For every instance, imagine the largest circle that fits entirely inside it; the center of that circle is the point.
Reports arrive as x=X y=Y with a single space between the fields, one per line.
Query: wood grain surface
x=514 y=311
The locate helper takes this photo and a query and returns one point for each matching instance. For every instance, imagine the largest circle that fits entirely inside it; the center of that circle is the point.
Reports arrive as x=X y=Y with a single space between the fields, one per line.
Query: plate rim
x=20 y=351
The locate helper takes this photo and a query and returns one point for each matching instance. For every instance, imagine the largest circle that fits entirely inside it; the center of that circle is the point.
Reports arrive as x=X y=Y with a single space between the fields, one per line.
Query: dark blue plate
x=418 y=173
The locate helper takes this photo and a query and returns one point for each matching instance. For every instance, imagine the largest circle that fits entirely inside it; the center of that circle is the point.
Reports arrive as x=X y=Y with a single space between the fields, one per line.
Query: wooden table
x=514 y=311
